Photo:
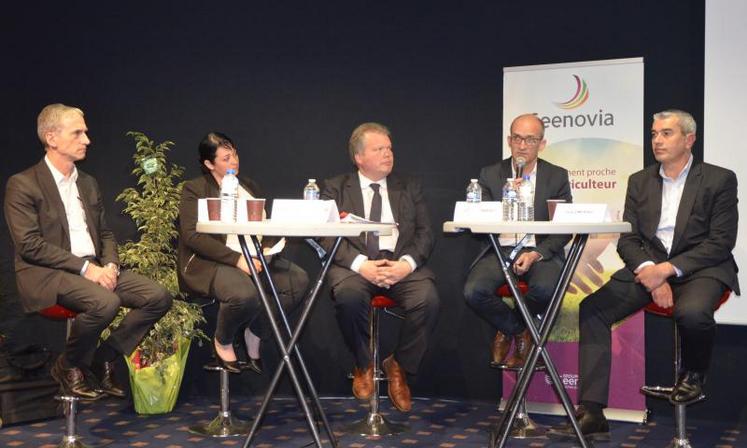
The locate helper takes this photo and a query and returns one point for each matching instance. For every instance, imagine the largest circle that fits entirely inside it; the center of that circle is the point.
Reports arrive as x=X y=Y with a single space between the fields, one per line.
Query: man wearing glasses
x=539 y=261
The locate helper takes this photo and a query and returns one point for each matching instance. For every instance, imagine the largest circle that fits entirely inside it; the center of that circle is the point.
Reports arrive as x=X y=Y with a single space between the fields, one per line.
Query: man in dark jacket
x=390 y=265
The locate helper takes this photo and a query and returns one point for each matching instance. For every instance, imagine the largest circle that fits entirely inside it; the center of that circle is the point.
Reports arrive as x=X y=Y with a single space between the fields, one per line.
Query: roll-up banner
x=593 y=116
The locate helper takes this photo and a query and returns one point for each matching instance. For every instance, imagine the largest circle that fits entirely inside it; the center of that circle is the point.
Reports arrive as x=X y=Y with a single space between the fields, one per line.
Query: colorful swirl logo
x=579 y=98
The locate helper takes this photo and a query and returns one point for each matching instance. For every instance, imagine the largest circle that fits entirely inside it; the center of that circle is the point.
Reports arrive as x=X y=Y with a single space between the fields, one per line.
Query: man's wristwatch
x=114 y=266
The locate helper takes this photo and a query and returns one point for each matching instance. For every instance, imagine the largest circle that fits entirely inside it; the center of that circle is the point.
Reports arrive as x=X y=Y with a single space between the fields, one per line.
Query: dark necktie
x=372 y=239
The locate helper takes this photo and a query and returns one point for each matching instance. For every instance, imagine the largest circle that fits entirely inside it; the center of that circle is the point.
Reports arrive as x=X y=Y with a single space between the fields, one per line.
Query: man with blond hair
x=392 y=265
x=65 y=254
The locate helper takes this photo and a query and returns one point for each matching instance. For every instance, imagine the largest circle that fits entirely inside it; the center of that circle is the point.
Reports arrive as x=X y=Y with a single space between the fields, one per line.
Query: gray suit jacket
x=705 y=231
x=38 y=226
x=409 y=211
x=551 y=183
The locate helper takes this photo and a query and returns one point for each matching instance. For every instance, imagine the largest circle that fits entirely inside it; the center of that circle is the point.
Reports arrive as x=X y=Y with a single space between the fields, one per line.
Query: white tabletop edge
x=296 y=229
x=537 y=227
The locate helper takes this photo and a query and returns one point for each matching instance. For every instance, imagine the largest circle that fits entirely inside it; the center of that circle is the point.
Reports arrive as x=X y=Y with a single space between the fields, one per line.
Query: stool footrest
x=503 y=366
x=662 y=392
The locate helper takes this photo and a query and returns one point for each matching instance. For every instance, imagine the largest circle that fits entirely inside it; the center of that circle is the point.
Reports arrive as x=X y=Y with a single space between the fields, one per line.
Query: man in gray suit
x=539 y=262
x=66 y=254
x=684 y=218
x=390 y=265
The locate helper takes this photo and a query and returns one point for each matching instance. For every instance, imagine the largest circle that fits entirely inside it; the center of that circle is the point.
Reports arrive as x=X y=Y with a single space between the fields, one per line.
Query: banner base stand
x=620 y=415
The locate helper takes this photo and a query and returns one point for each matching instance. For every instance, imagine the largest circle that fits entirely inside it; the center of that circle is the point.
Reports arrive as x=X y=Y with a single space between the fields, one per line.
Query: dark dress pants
x=97 y=306
x=415 y=295
x=239 y=299
x=486 y=276
x=694 y=303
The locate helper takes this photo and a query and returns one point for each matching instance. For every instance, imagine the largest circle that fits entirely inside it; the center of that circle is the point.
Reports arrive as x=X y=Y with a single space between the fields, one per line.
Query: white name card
x=488 y=211
x=299 y=210
x=565 y=212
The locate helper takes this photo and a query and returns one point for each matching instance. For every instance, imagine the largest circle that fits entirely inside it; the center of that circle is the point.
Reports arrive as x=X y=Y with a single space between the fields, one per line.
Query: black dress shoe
x=228 y=366
x=73 y=382
x=594 y=426
x=689 y=389
x=107 y=384
x=255 y=365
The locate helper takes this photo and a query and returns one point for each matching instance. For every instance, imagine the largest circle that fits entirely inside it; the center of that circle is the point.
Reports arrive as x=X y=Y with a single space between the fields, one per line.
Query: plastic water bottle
x=474 y=191
x=510 y=201
x=229 y=193
x=311 y=190
x=526 y=200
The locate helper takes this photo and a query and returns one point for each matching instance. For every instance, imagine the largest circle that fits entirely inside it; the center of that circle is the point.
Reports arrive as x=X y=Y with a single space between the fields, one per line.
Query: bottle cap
x=312 y=180
x=473 y=180
x=230 y=171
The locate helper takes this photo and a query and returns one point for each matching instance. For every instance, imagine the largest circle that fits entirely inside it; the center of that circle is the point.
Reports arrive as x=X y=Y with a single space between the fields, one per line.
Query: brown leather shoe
x=399 y=391
x=523 y=343
x=72 y=381
x=501 y=346
x=363 y=383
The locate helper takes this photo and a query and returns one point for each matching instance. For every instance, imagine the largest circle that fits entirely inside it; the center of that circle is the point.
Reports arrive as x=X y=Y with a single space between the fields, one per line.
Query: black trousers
x=486 y=276
x=97 y=306
x=694 y=303
x=239 y=298
x=415 y=295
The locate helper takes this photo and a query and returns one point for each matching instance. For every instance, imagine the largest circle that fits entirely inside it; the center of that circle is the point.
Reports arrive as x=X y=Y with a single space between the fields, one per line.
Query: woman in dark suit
x=213 y=266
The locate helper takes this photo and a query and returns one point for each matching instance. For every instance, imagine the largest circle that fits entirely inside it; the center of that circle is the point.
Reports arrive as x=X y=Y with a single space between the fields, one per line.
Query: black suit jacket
x=38 y=226
x=705 y=230
x=551 y=183
x=199 y=254
x=409 y=211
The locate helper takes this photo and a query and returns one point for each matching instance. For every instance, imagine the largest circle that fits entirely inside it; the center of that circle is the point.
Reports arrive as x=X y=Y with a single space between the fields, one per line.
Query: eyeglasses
x=530 y=141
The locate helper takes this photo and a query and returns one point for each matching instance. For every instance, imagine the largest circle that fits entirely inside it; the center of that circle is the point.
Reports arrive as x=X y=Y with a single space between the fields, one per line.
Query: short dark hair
x=209 y=146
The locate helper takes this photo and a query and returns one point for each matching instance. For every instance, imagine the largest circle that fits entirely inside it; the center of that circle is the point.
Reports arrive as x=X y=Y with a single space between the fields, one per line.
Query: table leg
x=284 y=351
x=293 y=346
x=540 y=338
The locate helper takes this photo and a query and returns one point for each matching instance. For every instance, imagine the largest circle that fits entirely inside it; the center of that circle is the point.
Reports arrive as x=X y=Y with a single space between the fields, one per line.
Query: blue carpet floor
x=432 y=423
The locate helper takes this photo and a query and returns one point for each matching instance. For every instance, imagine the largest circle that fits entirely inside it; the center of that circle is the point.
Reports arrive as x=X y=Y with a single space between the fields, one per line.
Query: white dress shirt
x=386 y=242
x=671 y=195
x=81 y=244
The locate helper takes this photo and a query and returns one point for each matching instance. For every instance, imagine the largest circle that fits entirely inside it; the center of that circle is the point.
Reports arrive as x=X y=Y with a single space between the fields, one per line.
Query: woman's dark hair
x=209 y=146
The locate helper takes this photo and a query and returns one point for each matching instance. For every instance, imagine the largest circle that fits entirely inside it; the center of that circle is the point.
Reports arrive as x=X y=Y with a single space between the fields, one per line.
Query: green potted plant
x=157 y=365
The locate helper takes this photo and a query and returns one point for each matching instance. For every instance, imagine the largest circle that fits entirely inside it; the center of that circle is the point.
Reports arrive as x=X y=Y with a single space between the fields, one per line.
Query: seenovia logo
x=579 y=98
x=600 y=118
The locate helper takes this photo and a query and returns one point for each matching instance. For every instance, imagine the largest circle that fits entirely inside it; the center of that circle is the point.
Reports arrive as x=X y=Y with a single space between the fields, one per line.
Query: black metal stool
x=680 y=439
x=224 y=424
x=524 y=427
x=375 y=424
x=69 y=401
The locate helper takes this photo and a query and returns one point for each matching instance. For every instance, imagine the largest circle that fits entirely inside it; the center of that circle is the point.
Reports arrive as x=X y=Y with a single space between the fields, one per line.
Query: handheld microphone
x=520 y=163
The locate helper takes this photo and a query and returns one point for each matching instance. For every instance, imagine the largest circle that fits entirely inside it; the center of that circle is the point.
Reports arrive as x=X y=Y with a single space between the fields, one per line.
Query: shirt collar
x=366 y=182
x=59 y=178
x=682 y=174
